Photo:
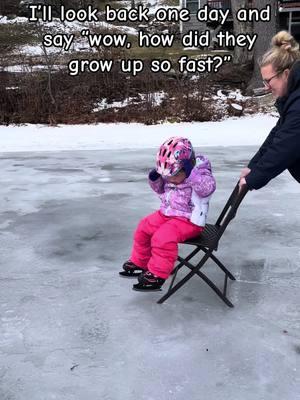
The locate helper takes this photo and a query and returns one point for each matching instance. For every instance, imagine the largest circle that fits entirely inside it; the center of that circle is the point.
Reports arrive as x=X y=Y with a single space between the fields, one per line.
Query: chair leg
x=181 y=264
x=196 y=270
x=174 y=274
x=223 y=268
x=183 y=280
x=212 y=285
x=216 y=289
x=225 y=285
x=182 y=260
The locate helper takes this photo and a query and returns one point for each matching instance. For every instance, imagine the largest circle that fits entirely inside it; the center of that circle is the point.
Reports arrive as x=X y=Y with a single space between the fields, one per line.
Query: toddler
x=184 y=183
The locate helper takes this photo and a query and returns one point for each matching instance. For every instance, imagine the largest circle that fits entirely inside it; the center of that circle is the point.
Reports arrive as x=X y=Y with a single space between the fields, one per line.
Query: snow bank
x=231 y=132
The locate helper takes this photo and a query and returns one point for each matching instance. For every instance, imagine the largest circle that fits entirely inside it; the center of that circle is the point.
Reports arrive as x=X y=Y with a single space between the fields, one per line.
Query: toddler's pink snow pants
x=155 y=245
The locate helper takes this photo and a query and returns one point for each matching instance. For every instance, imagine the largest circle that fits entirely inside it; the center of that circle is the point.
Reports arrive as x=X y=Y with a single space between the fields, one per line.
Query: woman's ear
x=286 y=73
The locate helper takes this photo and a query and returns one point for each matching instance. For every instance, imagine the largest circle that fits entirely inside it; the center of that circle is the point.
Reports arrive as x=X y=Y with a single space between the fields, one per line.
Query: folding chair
x=208 y=242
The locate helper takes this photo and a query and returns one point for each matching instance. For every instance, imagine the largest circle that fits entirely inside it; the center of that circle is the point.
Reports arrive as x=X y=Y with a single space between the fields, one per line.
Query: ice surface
x=71 y=329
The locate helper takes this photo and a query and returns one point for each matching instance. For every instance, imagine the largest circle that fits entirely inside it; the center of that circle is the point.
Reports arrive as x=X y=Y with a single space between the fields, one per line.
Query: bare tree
x=50 y=61
x=241 y=54
x=265 y=32
x=9 y=7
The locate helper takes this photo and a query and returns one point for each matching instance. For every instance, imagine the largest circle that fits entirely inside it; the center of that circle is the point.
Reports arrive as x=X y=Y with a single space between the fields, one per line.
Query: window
x=192 y=5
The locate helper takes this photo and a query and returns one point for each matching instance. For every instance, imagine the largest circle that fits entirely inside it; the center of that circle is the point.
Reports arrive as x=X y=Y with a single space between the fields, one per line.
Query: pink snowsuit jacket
x=189 y=199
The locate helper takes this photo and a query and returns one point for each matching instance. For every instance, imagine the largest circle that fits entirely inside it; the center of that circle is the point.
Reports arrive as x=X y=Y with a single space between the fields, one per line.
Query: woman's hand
x=242 y=183
x=245 y=172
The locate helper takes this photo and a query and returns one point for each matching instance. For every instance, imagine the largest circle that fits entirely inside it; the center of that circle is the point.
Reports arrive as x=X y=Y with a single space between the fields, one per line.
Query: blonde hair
x=283 y=53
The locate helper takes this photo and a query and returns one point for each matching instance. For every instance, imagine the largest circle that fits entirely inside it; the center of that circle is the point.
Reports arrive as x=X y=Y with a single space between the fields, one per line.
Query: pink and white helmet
x=170 y=155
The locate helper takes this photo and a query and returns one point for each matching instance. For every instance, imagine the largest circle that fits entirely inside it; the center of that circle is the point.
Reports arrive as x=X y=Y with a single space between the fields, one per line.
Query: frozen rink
x=71 y=329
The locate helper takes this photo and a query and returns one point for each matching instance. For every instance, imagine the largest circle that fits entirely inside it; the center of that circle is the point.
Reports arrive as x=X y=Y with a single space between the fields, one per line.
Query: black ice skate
x=130 y=270
x=148 y=282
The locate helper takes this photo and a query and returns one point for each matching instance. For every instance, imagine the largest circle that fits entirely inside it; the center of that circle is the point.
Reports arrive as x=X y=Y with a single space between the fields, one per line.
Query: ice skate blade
x=129 y=275
x=145 y=289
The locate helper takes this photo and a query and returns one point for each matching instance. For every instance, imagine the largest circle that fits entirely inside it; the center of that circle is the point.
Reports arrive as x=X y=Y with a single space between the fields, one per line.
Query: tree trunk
x=265 y=32
x=241 y=55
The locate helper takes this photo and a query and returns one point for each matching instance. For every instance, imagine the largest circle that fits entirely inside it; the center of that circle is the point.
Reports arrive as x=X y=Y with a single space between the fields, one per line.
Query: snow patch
x=156 y=98
x=25 y=68
x=237 y=106
x=234 y=95
x=244 y=131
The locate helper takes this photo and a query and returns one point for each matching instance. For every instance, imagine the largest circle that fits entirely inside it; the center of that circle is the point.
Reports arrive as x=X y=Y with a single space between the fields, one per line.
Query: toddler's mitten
x=153 y=175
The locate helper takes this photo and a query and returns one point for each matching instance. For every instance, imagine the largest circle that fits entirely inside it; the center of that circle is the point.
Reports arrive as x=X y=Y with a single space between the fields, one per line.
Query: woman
x=280 y=70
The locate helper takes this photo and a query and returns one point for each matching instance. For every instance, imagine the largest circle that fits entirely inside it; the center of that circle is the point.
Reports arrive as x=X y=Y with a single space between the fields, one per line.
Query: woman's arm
x=279 y=154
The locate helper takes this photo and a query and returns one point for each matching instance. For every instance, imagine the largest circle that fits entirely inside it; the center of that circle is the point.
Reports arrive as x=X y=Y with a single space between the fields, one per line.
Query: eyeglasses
x=266 y=82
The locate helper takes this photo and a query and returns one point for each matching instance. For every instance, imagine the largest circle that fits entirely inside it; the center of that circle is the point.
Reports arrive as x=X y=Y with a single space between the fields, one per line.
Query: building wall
x=193 y=24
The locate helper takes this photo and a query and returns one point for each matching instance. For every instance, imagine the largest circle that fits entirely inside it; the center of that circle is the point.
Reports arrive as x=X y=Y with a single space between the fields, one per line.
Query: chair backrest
x=230 y=209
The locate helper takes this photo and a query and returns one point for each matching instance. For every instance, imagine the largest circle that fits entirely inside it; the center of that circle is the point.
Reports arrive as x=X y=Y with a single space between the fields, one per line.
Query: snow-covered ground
x=249 y=130
x=67 y=27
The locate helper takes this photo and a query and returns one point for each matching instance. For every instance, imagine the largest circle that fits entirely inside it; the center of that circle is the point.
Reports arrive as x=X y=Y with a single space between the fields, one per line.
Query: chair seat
x=208 y=238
